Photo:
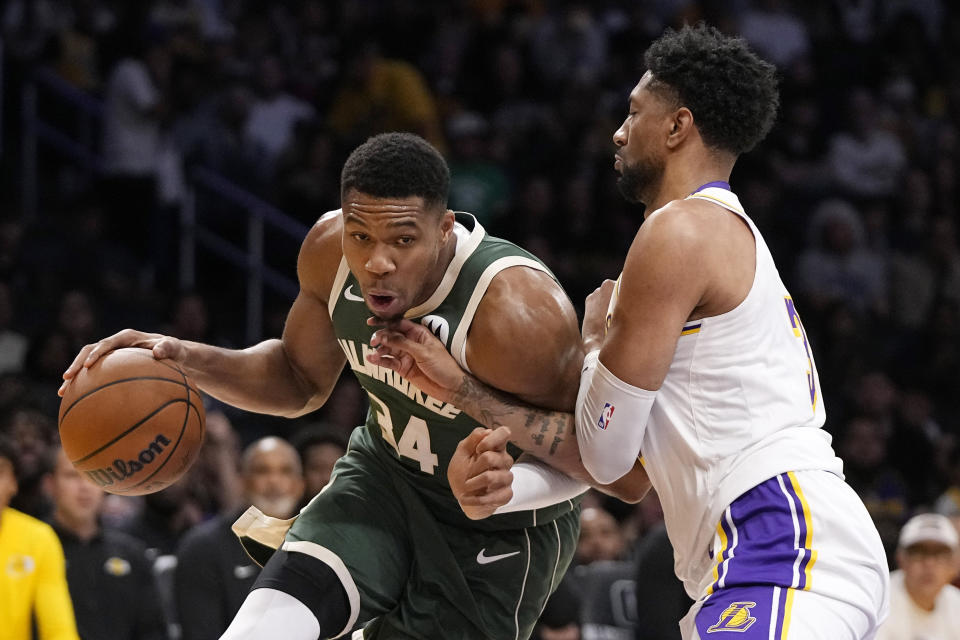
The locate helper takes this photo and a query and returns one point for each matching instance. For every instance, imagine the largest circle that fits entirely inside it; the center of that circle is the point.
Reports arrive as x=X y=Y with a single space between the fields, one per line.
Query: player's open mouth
x=380 y=302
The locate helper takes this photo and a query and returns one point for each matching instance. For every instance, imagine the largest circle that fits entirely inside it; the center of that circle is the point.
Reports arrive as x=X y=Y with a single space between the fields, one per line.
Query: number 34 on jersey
x=414 y=442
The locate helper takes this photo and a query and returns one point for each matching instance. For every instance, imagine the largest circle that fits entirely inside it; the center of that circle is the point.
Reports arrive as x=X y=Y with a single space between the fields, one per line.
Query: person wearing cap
x=923 y=603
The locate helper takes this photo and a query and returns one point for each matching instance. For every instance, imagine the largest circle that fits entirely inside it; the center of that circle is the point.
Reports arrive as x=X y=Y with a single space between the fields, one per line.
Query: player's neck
x=682 y=177
x=434 y=278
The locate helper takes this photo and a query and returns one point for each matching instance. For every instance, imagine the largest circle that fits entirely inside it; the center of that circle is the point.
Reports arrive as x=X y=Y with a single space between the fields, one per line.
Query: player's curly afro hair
x=397 y=165
x=731 y=92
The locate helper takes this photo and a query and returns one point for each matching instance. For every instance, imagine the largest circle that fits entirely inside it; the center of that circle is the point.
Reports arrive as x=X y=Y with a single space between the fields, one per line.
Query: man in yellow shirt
x=33 y=580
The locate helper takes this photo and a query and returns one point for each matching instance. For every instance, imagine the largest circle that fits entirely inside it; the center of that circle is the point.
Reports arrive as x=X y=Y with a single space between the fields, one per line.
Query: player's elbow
x=608 y=467
x=632 y=487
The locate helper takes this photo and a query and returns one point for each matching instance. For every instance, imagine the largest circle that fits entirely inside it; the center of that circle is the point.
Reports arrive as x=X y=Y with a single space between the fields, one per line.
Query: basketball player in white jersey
x=699 y=364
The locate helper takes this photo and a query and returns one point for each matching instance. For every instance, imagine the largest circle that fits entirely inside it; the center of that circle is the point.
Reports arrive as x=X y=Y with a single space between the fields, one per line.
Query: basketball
x=131 y=423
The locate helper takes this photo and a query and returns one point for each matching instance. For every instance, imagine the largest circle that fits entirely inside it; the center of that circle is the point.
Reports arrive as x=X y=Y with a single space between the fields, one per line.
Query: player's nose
x=379 y=263
x=620 y=135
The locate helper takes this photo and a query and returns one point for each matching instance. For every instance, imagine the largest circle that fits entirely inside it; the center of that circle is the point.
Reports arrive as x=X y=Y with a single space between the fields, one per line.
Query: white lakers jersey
x=740 y=404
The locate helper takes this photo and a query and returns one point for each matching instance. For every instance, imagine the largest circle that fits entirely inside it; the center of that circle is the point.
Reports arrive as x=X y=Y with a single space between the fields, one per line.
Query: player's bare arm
x=690 y=260
x=289 y=376
x=533 y=353
x=544 y=373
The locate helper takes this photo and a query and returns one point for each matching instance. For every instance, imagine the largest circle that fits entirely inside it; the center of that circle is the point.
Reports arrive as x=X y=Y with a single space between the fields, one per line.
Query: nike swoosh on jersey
x=485 y=559
x=349 y=295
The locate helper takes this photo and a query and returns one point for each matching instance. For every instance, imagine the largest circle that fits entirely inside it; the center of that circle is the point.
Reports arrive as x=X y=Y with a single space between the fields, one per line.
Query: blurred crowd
x=855 y=191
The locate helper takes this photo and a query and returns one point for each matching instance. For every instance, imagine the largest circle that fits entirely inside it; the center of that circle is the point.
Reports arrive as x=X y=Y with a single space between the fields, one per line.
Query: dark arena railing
x=73 y=135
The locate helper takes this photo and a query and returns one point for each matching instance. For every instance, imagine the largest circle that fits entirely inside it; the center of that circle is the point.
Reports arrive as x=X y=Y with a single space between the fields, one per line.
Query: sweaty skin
x=398 y=249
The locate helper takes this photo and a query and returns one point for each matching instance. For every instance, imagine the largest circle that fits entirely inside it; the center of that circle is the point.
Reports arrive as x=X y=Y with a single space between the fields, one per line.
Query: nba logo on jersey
x=605 y=416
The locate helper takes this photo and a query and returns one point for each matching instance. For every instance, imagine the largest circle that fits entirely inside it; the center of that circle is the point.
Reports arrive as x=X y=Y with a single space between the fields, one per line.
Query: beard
x=636 y=180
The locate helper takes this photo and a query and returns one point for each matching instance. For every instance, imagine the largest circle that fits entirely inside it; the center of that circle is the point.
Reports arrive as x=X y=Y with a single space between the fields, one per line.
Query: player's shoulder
x=320 y=254
x=522 y=300
x=681 y=231
x=325 y=231
x=687 y=220
x=525 y=326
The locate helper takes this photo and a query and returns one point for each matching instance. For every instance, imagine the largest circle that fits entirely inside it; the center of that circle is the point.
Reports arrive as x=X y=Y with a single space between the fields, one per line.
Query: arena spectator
x=33 y=585
x=923 y=603
x=213 y=572
x=111 y=582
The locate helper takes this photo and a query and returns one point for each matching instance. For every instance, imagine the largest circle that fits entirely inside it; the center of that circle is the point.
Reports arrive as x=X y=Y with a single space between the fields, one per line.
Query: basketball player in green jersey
x=386 y=541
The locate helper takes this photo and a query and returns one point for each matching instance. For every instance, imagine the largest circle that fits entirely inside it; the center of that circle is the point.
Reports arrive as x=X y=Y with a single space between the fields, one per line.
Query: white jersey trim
x=458 y=346
x=467 y=243
x=342 y=272
x=523 y=588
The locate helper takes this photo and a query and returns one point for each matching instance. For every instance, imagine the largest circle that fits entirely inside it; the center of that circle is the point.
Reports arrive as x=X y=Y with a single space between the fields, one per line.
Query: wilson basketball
x=131 y=423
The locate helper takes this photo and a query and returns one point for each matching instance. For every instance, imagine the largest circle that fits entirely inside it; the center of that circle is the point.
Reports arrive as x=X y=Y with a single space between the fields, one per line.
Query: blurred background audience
x=855 y=190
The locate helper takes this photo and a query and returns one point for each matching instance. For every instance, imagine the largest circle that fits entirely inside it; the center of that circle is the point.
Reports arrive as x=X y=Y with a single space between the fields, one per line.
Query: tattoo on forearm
x=493 y=408
x=556 y=442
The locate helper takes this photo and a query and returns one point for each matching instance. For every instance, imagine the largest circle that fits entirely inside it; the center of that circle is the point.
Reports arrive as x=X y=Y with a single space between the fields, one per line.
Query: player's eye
x=405 y=240
x=359 y=237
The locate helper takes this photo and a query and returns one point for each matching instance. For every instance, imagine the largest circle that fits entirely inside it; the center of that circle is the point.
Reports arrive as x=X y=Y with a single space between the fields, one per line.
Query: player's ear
x=681 y=124
x=446 y=225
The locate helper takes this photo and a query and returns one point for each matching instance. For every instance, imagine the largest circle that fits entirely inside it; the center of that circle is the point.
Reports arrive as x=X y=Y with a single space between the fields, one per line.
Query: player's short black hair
x=731 y=92
x=397 y=165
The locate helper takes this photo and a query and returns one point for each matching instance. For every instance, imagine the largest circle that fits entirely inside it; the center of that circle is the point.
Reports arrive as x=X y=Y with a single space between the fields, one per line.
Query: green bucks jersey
x=416 y=433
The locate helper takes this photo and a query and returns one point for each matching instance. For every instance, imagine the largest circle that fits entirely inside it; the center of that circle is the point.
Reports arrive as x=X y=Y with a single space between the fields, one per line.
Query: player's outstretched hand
x=415 y=353
x=595 y=315
x=479 y=472
x=161 y=345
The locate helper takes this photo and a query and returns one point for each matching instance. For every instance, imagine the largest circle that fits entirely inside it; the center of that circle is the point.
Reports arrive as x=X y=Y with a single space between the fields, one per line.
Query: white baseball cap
x=929 y=527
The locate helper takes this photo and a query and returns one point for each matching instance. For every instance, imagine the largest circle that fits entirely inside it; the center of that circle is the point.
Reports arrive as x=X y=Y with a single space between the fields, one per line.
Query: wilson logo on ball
x=120 y=470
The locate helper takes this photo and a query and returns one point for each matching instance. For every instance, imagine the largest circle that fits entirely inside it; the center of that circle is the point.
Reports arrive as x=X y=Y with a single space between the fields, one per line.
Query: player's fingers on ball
x=166 y=347
x=125 y=338
x=77 y=362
